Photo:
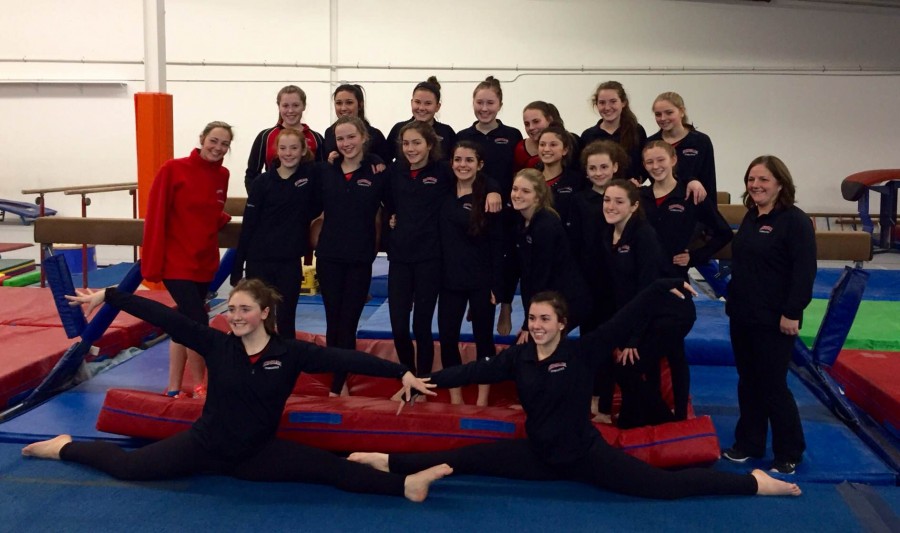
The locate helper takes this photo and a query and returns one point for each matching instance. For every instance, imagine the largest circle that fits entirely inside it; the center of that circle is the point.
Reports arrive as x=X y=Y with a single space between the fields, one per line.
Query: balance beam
x=109 y=231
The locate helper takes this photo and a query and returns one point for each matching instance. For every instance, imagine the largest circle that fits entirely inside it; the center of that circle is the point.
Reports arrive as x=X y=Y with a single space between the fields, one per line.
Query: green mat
x=877 y=325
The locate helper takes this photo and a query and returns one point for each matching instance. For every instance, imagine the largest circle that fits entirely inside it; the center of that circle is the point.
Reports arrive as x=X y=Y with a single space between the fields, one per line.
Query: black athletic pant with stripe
x=278 y=460
x=414 y=287
x=603 y=466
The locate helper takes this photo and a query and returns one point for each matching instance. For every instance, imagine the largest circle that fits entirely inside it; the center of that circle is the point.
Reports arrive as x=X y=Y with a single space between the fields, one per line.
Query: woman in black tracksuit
x=553 y=379
x=472 y=259
x=557 y=147
x=351 y=197
x=678 y=222
x=773 y=269
x=617 y=124
x=425 y=103
x=545 y=259
x=275 y=230
x=418 y=186
x=634 y=260
x=251 y=374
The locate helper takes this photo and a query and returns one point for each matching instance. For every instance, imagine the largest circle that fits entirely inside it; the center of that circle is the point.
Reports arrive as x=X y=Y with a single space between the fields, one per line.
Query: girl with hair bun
x=425 y=103
x=350 y=101
x=291 y=102
x=696 y=160
x=618 y=124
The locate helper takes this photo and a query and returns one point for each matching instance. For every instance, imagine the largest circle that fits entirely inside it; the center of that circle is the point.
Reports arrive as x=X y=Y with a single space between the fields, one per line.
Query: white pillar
x=155 y=46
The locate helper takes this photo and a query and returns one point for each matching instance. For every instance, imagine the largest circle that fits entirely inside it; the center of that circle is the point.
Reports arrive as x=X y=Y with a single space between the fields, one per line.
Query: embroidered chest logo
x=274 y=364
x=676 y=208
x=301 y=182
x=528 y=239
x=430 y=180
x=220 y=196
x=766 y=229
x=564 y=190
x=690 y=152
x=467 y=206
x=501 y=140
x=556 y=367
x=624 y=249
x=364 y=183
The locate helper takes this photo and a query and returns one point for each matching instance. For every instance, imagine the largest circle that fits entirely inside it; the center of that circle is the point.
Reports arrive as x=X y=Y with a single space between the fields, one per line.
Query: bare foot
x=415 y=487
x=378 y=461
x=769 y=486
x=602 y=418
x=47 y=449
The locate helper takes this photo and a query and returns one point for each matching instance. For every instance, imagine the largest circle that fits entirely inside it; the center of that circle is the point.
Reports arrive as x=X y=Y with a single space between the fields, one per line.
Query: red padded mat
x=871 y=380
x=29 y=354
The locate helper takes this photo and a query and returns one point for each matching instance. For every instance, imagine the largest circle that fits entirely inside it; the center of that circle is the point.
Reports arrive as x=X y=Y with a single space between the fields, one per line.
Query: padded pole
x=843 y=305
x=225 y=266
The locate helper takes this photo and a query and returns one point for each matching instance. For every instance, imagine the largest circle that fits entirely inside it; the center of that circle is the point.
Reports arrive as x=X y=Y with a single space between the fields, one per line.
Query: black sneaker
x=783 y=467
x=734 y=455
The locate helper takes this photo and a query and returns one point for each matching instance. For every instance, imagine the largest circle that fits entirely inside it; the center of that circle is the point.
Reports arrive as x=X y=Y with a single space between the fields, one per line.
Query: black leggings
x=190 y=297
x=451 y=310
x=278 y=460
x=344 y=288
x=642 y=402
x=603 y=466
x=414 y=287
x=285 y=277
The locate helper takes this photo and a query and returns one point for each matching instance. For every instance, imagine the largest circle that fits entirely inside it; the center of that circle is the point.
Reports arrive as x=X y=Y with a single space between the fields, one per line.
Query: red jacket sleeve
x=154 y=241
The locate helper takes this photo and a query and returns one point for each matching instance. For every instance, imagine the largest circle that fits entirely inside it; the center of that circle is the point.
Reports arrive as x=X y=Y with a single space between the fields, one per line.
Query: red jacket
x=184 y=216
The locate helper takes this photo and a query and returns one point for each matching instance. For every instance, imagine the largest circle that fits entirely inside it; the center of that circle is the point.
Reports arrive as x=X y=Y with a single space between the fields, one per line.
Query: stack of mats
x=33 y=339
x=13 y=272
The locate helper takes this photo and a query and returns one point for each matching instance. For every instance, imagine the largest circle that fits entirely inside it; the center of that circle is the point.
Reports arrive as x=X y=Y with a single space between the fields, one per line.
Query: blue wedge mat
x=833 y=453
x=882 y=284
x=709 y=341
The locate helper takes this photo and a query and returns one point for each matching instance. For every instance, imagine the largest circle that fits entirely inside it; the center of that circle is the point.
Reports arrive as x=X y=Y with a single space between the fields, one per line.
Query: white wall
x=823 y=126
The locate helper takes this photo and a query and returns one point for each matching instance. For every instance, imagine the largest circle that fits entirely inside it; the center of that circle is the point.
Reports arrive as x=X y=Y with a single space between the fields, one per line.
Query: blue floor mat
x=833 y=454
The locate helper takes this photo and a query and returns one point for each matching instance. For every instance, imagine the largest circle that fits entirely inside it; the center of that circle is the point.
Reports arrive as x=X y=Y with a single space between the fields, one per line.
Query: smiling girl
x=275 y=230
x=181 y=237
x=472 y=258
x=618 y=124
x=677 y=223
x=351 y=199
x=251 y=375
x=425 y=103
x=553 y=381
x=291 y=102
x=696 y=161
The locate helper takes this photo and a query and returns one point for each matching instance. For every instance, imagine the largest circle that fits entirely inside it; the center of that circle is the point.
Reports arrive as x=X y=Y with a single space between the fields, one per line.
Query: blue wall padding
x=478 y=424
x=839 y=315
x=709 y=342
x=224 y=272
x=60 y=281
x=882 y=284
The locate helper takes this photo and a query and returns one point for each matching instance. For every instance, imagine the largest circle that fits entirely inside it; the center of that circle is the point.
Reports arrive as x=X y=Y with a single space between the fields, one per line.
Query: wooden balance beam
x=109 y=231
x=830 y=245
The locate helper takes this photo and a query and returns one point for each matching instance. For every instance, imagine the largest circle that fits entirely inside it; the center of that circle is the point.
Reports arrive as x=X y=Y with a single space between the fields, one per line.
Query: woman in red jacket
x=181 y=237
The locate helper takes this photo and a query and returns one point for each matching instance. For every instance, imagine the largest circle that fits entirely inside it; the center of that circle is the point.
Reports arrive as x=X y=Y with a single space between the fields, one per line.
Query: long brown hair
x=477 y=219
x=262 y=294
x=628 y=122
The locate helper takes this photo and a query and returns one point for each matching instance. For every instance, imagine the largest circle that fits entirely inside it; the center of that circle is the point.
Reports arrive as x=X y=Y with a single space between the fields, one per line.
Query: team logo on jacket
x=766 y=229
x=467 y=206
x=501 y=140
x=364 y=183
x=624 y=249
x=528 y=239
x=564 y=190
x=301 y=182
x=690 y=152
x=430 y=180
x=556 y=367
x=274 y=364
x=676 y=208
